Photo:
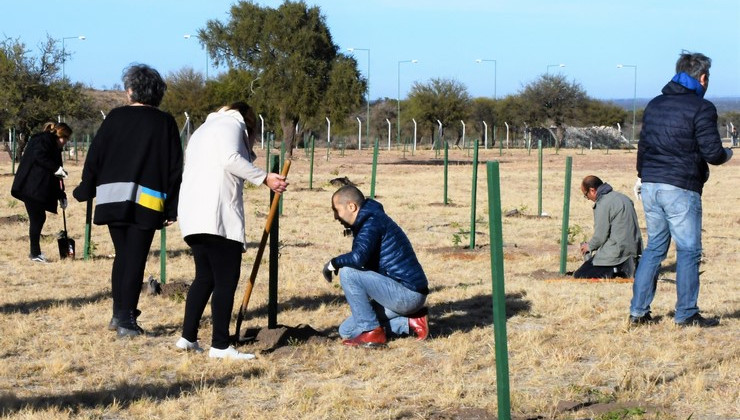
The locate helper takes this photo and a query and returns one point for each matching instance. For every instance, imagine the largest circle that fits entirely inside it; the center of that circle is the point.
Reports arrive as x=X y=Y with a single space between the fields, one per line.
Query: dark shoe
x=419 y=324
x=127 y=326
x=113 y=324
x=368 y=339
x=641 y=320
x=697 y=320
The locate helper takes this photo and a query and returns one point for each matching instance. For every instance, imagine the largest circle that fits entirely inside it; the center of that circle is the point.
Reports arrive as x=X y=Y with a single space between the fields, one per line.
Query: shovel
x=260 y=251
x=66 y=244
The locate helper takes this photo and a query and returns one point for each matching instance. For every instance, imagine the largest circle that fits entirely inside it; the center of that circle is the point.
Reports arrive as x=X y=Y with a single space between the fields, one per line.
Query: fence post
x=474 y=195
x=539 y=178
x=566 y=215
x=310 y=173
x=498 y=292
x=272 y=289
x=374 y=169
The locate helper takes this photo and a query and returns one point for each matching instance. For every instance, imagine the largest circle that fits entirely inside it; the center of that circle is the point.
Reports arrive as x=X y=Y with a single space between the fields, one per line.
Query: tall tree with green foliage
x=441 y=99
x=33 y=91
x=484 y=109
x=553 y=101
x=186 y=92
x=302 y=76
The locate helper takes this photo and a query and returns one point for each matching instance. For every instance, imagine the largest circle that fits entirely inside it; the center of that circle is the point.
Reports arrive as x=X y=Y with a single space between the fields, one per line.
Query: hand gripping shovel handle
x=255 y=268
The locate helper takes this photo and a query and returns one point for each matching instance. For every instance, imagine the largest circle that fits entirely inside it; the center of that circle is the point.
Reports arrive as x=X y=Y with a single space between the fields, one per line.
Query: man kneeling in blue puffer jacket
x=384 y=284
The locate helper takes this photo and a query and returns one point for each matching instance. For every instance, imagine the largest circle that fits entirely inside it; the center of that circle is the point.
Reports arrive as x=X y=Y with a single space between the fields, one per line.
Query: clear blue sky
x=524 y=37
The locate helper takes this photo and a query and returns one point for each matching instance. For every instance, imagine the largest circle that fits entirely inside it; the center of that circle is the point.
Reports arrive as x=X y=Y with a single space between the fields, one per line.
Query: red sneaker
x=368 y=339
x=419 y=324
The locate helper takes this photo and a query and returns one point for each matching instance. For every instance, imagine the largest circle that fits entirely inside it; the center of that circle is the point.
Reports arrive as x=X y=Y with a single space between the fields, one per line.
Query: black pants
x=132 y=247
x=217 y=269
x=36 y=220
x=590 y=271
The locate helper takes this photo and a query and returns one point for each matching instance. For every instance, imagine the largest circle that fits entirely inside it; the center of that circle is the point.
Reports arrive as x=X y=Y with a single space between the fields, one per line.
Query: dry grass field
x=571 y=355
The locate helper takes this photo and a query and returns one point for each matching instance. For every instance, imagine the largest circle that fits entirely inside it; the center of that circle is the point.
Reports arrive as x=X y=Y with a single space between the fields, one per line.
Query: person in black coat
x=133 y=171
x=38 y=180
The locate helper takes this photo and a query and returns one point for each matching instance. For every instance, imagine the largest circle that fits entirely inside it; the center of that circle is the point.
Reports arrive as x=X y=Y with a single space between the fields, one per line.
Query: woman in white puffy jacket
x=218 y=159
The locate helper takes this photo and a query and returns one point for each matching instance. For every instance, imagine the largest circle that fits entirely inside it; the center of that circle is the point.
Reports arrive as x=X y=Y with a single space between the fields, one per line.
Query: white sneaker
x=186 y=345
x=229 y=353
x=38 y=258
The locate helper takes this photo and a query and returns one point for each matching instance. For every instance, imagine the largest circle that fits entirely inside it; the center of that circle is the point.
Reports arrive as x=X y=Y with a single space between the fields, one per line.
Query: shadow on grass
x=444 y=318
x=474 y=312
x=42 y=304
x=308 y=303
x=123 y=395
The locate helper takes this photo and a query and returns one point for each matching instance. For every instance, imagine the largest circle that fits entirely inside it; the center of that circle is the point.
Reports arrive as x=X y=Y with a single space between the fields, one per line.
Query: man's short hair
x=349 y=194
x=591 y=181
x=693 y=64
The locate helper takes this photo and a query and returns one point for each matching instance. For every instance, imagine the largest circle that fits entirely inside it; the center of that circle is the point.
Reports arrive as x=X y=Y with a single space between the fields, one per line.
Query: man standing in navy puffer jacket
x=384 y=284
x=679 y=137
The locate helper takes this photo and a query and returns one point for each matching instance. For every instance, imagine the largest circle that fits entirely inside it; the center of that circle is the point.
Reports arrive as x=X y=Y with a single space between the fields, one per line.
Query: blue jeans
x=670 y=212
x=376 y=300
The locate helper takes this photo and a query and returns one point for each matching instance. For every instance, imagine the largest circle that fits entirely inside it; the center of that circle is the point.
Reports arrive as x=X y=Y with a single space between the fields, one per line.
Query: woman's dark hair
x=145 y=83
x=58 y=129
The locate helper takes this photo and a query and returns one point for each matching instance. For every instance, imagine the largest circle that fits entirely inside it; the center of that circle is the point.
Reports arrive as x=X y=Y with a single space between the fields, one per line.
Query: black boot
x=127 y=326
x=114 y=322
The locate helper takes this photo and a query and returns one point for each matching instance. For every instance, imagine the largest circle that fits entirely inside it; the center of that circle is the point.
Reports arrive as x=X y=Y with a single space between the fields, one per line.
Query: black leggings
x=36 y=220
x=132 y=247
x=217 y=269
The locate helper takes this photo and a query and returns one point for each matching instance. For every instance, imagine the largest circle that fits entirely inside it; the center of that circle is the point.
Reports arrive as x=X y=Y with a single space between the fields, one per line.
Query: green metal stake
x=163 y=256
x=86 y=254
x=474 y=195
x=15 y=148
x=499 y=295
x=75 y=142
x=566 y=215
x=446 y=160
x=500 y=148
x=374 y=171
x=272 y=288
x=267 y=150
x=539 y=178
x=282 y=161
x=310 y=173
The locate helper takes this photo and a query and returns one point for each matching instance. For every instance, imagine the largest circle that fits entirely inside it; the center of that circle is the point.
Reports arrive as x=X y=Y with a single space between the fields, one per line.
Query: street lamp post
x=553 y=65
x=481 y=60
x=64 y=54
x=367 y=118
x=188 y=36
x=398 y=101
x=634 y=96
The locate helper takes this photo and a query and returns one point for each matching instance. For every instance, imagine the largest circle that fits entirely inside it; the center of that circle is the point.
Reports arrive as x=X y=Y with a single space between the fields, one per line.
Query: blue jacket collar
x=689 y=83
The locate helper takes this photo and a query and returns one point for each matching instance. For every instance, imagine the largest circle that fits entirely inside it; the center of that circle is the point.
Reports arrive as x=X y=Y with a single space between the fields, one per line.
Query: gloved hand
x=61 y=173
x=638 y=189
x=63 y=203
x=328 y=271
x=728 y=152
